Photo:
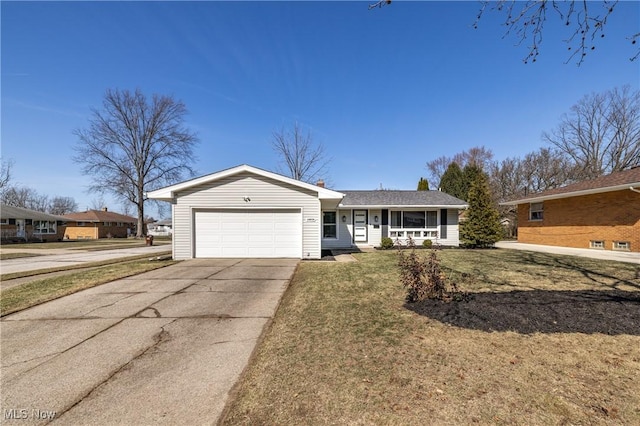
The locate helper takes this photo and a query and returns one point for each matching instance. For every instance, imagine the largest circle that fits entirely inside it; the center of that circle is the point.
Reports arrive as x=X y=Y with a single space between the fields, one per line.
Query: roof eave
x=168 y=193
x=409 y=206
x=535 y=199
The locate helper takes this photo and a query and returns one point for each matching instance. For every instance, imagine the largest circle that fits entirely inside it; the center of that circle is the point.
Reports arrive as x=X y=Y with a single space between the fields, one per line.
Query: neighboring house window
x=44 y=227
x=120 y=224
x=622 y=245
x=4 y=221
x=536 y=211
x=329 y=225
x=80 y=223
x=596 y=244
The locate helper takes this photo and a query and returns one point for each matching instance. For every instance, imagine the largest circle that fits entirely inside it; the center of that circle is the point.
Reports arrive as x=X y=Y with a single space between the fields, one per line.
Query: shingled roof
x=11 y=212
x=392 y=198
x=616 y=181
x=99 y=216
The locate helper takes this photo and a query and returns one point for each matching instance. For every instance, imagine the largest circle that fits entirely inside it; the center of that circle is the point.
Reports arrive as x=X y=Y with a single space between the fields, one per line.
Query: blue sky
x=384 y=90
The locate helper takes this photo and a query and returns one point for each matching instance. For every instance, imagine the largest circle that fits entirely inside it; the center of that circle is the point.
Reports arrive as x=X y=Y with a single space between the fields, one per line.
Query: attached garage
x=247 y=212
x=248 y=233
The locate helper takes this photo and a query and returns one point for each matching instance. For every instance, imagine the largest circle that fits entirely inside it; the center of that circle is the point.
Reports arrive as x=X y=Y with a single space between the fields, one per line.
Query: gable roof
x=12 y=212
x=168 y=193
x=616 y=181
x=391 y=198
x=99 y=216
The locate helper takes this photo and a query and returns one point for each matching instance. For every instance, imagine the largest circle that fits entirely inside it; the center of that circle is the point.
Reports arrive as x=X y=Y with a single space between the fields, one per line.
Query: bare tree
x=98 y=203
x=301 y=157
x=5 y=174
x=62 y=205
x=546 y=169
x=525 y=20
x=477 y=155
x=601 y=133
x=135 y=145
x=25 y=197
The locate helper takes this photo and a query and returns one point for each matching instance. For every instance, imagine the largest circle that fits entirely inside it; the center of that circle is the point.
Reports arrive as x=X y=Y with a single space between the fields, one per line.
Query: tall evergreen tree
x=470 y=174
x=452 y=181
x=423 y=184
x=482 y=226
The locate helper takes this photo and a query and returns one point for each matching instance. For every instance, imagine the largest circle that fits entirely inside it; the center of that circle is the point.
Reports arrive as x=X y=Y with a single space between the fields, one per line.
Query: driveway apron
x=163 y=347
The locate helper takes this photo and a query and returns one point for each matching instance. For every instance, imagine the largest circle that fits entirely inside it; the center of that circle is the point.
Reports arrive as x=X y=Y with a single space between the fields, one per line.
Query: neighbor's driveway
x=163 y=347
x=618 y=256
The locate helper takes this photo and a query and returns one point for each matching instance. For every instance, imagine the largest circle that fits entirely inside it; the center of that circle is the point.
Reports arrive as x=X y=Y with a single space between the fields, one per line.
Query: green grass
x=6 y=256
x=24 y=274
x=89 y=245
x=542 y=339
x=40 y=291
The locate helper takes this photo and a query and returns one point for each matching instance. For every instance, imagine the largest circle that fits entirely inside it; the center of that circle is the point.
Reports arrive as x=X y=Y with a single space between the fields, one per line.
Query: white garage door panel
x=248 y=233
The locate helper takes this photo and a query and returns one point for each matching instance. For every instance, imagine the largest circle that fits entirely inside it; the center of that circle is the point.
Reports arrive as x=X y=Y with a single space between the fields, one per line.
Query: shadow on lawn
x=543 y=311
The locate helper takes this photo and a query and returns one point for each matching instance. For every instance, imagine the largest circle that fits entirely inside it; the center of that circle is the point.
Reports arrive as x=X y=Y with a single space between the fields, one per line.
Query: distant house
x=161 y=228
x=602 y=213
x=94 y=224
x=19 y=224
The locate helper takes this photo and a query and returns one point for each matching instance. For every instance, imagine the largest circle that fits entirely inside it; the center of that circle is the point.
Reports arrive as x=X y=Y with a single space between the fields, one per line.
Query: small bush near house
x=386 y=243
x=427 y=243
x=424 y=278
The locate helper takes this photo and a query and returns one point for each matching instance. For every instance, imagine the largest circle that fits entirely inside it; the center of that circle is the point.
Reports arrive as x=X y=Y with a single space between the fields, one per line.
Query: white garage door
x=248 y=233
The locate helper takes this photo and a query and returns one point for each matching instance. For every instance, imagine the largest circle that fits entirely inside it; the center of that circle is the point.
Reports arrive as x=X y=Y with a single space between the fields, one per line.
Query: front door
x=360 y=226
x=20 y=231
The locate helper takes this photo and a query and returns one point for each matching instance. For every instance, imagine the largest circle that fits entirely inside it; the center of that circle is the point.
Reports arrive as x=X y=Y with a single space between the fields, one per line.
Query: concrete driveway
x=164 y=347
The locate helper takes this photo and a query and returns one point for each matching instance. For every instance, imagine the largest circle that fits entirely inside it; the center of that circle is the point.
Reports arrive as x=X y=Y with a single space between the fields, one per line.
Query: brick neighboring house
x=20 y=224
x=94 y=224
x=602 y=213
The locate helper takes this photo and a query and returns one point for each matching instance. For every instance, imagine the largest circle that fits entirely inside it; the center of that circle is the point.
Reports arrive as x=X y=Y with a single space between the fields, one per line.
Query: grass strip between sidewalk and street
x=540 y=339
x=36 y=292
x=14 y=275
x=7 y=256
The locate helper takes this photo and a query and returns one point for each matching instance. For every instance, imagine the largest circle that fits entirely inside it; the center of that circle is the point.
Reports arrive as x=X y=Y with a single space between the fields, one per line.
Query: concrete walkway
x=619 y=256
x=70 y=258
x=163 y=347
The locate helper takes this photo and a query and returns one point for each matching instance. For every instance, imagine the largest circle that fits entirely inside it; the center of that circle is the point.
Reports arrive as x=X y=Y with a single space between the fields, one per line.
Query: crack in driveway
x=110 y=304
x=159 y=338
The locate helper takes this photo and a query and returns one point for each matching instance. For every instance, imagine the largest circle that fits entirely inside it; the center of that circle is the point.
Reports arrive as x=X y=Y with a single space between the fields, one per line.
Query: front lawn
x=542 y=339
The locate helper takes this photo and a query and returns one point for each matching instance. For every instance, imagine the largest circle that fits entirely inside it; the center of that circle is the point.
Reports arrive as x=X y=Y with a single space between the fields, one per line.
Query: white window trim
x=4 y=221
x=415 y=233
x=616 y=246
x=596 y=244
x=335 y=224
x=48 y=228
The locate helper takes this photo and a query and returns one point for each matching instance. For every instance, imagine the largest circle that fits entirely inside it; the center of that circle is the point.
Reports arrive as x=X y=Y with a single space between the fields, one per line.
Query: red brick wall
x=575 y=221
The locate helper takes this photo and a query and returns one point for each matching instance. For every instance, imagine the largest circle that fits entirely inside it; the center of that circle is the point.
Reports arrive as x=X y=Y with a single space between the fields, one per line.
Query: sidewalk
x=618 y=256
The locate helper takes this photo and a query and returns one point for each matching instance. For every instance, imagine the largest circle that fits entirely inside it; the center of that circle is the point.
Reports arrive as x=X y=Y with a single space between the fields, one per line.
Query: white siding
x=453 y=233
x=230 y=193
x=345 y=237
